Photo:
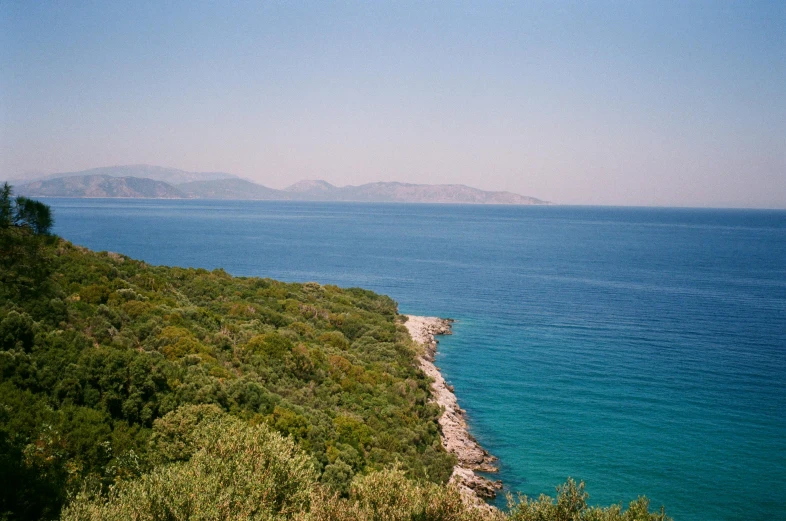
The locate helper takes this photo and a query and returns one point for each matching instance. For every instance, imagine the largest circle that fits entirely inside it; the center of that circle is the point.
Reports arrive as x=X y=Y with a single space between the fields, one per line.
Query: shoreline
x=456 y=439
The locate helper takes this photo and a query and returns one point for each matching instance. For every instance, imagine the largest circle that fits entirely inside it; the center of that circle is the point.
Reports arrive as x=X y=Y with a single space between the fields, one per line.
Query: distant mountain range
x=230 y=189
x=154 y=182
x=101 y=186
x=403 y=193
x=172 y=176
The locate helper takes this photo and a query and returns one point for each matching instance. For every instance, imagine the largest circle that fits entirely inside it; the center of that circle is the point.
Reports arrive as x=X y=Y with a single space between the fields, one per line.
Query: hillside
x=101 y=186
x=101 y=346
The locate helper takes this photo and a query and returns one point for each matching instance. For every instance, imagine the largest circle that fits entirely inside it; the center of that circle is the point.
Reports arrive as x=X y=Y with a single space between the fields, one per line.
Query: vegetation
x=144 y=392
x=21 y=212
x=233 y=470
x=220 y=467
x=24 y=233
x=570 y=504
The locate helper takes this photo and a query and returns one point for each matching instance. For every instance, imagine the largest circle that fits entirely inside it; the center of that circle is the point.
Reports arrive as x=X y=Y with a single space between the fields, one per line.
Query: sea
x=641 y=350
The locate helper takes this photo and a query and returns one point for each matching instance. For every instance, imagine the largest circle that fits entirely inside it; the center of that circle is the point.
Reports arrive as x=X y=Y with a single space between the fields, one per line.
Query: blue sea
x=640 y=350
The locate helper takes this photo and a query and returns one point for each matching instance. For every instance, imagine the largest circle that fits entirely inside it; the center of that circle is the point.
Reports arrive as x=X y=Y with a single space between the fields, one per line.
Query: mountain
x=404 y=193
x=231 y=189
x=314 y=190
x=145 y=181
x=101 y=186
x=171 y=176
x=417 y=193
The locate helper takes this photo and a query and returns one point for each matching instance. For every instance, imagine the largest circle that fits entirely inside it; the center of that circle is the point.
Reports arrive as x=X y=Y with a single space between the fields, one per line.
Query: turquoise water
x=641 y=350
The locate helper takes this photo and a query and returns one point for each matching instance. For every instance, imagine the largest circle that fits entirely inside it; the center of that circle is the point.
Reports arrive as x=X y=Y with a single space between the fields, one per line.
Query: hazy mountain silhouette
x=146 y=181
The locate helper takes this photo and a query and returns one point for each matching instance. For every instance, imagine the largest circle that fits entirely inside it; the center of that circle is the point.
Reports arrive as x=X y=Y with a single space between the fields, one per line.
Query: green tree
x=25 y=227
x=35 y=214
x=24 y=212
x=237 y=471
x=16 y=331
x=6 y=209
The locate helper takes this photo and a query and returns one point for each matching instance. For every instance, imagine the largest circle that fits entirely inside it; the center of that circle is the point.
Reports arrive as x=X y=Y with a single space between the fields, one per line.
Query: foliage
x=22 y=212
x=234 y=470
x=237 y=471
x=570 y=504
x=388 y=495
x=24 y=236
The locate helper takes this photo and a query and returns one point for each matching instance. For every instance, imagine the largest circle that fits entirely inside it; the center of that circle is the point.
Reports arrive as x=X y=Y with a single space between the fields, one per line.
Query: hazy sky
x=644 y=103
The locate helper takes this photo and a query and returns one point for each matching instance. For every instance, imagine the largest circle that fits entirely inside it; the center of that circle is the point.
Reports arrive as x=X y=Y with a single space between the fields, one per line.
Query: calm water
x=641 y=350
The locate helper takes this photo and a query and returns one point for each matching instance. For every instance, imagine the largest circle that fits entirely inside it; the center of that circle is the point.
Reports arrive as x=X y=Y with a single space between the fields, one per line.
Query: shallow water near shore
x=641 y=350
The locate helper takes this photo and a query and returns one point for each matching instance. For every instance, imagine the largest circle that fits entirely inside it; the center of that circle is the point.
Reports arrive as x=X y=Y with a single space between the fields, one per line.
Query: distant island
x=155 y=182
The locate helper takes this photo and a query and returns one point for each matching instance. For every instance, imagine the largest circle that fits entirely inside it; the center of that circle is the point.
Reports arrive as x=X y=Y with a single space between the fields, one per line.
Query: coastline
x=456 y=439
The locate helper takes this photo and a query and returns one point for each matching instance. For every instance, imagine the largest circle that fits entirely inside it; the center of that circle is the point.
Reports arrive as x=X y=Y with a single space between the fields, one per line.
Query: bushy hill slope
x=103 y=345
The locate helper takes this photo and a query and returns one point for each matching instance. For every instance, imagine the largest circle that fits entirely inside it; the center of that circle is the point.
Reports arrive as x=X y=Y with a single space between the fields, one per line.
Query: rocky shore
x=456 y=438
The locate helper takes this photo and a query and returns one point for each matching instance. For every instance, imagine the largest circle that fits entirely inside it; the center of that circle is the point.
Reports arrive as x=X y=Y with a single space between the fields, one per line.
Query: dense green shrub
x=570 y=504
x=388 y=495
x=219 y=467
x=236 y=471
x=16 y=331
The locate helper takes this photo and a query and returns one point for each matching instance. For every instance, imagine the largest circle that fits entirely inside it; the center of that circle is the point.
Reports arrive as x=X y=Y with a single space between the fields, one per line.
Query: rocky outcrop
x=456 y=438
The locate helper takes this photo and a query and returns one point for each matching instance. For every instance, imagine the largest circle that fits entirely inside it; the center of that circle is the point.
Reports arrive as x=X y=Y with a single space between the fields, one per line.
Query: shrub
x=16 y=331
x=237 y=471
x=571 y=505
x=388 y=495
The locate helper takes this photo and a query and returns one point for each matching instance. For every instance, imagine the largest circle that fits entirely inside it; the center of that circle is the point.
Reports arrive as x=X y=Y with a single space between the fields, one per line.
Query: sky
x=655 y=103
